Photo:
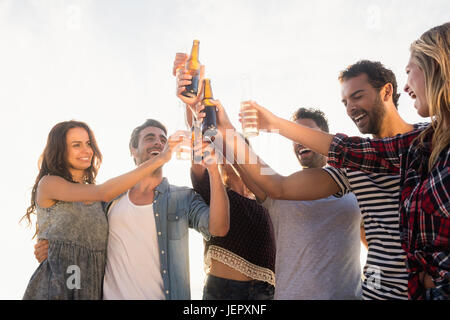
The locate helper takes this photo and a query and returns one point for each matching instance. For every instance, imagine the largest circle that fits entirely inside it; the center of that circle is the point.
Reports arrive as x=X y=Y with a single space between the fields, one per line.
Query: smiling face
x=363 y=103
x=307 y=157
x=415 y=87
x=150 y=144
x=79 y=152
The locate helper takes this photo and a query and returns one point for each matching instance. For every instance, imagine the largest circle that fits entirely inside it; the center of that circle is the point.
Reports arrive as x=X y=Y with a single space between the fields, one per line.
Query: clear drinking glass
x=184 y=147
x=180 y=63
x=183 y=151
x=197 y=138
x=249 y=117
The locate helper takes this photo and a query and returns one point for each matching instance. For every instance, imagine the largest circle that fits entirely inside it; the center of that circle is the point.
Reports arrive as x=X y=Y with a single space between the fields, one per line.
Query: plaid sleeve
x=369 y=155
x=442 y=281
x=436 y=205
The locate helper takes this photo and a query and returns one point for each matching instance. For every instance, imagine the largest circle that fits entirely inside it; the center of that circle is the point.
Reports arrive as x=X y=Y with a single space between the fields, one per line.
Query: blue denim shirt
x=176 y=209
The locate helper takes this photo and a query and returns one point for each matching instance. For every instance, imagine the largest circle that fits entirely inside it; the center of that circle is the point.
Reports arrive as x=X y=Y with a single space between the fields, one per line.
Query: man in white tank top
x=147 y=255
x=133 y=263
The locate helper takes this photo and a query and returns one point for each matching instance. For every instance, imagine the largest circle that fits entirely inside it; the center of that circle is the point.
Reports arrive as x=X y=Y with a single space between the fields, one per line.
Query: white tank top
x=133 y=269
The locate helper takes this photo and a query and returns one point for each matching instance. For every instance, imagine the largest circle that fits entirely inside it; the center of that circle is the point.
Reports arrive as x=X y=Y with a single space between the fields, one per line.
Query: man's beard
x=376 y=115
x=315 y=161
x=142 y=158
x=145 y=157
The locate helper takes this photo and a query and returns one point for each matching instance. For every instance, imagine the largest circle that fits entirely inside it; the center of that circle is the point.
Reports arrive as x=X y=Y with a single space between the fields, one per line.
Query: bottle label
x=209 y=126
x=192 y=89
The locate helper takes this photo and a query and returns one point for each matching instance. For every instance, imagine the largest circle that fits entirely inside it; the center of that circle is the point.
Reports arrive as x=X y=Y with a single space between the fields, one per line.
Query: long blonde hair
x=432 y=53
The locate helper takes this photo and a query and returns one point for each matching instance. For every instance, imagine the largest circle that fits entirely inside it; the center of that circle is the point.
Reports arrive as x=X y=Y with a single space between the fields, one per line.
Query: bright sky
x=109 y=62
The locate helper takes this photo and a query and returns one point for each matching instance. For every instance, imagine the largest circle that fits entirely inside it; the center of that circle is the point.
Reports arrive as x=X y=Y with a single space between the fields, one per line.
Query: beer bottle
x=193 y=66
x=209 y=126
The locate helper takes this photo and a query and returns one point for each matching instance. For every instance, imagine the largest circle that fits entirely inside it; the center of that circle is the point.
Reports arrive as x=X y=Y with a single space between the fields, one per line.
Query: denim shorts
x=224 y=289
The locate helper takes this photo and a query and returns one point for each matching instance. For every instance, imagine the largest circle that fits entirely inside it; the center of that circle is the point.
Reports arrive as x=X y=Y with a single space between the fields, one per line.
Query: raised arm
x=219 y=207
x=183 y=79
x=53 y=188
x=316 y=140
x=259 y=192
x=309 y=184
x=369 y=155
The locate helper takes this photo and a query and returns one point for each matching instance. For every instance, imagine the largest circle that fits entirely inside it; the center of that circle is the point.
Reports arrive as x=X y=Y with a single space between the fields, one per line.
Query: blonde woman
x=421 y=157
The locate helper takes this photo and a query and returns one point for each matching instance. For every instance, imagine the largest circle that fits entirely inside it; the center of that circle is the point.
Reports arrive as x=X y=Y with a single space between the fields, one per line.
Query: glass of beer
x=180 y=63
x=183 y=151
x=249 y=117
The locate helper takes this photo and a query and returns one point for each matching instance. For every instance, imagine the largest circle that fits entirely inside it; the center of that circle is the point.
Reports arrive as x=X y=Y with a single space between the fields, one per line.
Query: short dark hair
x=134 y=140
x=377 y=73
x=314 y=114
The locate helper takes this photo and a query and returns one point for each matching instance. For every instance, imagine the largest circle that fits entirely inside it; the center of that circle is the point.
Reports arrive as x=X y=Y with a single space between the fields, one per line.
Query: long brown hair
x=53 y=159
x=432 y=53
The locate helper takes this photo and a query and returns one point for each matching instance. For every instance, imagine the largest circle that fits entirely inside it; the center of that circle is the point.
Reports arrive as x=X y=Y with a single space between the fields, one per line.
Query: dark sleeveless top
x=249 y=246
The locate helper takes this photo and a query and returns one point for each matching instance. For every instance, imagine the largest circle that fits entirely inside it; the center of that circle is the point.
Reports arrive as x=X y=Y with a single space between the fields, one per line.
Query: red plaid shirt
x=424 y=198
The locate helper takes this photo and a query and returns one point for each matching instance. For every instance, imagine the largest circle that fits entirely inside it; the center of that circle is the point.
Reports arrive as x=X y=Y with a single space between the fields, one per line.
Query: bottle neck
x=194 y=52
x=193 y=63
x=208 y=92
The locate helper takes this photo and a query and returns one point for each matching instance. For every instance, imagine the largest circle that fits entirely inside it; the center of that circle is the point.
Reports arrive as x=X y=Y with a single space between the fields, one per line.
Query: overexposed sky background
x=109 y=62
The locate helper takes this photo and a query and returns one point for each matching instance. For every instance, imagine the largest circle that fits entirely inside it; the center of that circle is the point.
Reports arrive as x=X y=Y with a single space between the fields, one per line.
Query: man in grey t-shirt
x=318 y=241
x=317 y=248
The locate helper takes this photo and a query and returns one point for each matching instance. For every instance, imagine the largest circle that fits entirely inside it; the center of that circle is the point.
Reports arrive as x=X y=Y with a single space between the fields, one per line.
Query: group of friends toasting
x=266 y=236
